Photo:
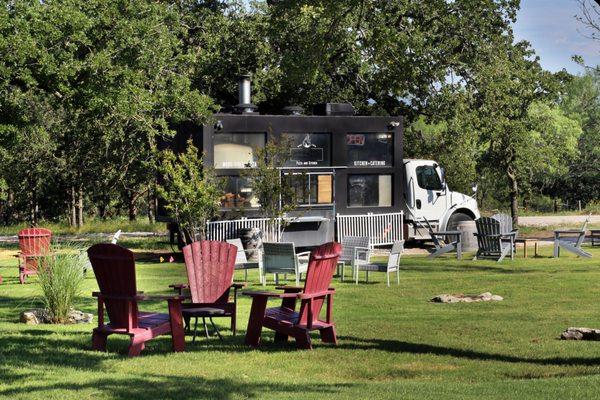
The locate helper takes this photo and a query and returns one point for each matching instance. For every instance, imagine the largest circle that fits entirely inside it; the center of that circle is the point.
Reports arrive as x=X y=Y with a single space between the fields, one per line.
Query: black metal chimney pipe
x=245 y=105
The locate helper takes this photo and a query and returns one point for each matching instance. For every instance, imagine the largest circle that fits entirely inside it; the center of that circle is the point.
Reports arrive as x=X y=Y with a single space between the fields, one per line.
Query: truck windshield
x=428 y=178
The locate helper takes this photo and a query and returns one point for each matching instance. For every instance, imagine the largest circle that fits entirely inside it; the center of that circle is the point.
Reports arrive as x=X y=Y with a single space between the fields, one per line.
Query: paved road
x=549 y=220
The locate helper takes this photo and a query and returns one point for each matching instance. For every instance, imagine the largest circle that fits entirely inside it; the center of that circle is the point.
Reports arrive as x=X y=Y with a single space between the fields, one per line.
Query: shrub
x=191 y=190
x=60 y=276
x=593 y=207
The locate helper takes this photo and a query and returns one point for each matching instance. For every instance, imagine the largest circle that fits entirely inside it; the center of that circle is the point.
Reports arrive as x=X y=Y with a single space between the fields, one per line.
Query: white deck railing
x=228 y=229
x=382 y=229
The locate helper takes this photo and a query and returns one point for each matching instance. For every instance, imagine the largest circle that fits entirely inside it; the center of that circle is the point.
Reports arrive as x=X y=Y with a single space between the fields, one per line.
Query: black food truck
x=340 y=162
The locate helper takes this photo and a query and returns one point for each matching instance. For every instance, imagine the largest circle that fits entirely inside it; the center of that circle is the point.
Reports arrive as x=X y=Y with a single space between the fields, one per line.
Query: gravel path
x=550 y=220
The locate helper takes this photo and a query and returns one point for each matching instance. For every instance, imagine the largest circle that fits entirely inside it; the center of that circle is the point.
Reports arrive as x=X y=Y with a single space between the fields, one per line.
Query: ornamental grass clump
x=61 y=275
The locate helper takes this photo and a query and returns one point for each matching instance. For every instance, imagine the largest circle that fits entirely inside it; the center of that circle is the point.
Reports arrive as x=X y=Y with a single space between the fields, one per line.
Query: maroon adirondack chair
x=114 y=267
x=284 y=320
x=33 y=244
x=210 y=265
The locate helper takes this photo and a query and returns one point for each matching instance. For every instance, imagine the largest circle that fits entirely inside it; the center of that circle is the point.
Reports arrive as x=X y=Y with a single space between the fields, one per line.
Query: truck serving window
x=312 y=188
x=309 y=149
x=238 y=193
x=370 y=190
x=236 y=150
x=370 y=149
x=428 y=178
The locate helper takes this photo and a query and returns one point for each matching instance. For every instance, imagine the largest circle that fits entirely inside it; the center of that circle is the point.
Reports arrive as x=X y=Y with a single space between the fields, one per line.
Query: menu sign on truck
x=309 y=149
x=369 y=149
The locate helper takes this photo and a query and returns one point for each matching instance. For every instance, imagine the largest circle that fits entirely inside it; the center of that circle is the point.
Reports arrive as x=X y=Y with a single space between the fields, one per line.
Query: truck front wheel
x=455 y=219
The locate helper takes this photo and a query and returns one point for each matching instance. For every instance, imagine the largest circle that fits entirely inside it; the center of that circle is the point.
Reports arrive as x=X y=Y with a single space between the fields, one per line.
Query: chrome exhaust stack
x=245 y=105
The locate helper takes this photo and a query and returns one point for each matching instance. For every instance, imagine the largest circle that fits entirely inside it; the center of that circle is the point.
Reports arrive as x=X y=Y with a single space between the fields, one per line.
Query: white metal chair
x=392 y=264
x=356 y=250
x=281 y=258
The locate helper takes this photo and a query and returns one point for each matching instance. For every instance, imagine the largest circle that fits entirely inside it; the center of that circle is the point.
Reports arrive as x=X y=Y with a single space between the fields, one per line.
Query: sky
x=551 y=28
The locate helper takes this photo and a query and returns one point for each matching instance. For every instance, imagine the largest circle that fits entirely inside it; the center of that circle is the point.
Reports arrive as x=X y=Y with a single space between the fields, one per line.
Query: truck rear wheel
x=455 y=219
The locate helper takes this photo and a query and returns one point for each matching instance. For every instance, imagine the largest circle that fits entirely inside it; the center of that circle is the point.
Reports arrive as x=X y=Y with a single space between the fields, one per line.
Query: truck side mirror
x=443 y=173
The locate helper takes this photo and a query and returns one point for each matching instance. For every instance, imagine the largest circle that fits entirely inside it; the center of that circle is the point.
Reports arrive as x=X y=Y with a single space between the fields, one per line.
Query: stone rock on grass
x=581 y=334
x=462 y=298
x=79 y=317
x=38 y=316
x=34 y=317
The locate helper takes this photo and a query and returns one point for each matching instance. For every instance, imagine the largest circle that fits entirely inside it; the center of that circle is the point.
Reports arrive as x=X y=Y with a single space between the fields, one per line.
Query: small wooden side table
x=595 y=236
x=525 y=241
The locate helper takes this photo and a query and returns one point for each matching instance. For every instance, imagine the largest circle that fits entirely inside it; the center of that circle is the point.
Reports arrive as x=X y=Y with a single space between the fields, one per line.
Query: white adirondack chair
x=443 y=242
x=560 y=240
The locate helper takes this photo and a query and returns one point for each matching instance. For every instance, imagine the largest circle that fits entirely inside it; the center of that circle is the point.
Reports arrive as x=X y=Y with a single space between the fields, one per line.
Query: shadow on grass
x=154 y=386
x=45 y=350
x=508 y=269
x=397 y=346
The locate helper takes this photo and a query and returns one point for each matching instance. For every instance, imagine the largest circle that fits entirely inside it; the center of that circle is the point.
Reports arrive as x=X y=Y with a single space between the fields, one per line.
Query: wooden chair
x=506 y=224
x=442 y=243
x=281 y=258
x=356 y=250
x=241 y=260
x=209 y=266
x=284 y=320
x=560 y=241
x=392 y=264
x=506 y=228
x=33 y=244
x=114 y=267
x=491 y=242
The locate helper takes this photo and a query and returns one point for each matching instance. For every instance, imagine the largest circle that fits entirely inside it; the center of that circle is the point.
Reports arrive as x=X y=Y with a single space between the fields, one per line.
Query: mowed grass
x=393 y=343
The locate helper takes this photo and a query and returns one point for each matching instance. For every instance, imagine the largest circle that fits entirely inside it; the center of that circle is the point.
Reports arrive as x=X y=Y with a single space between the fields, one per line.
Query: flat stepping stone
x=580 y=334
x=464 y=298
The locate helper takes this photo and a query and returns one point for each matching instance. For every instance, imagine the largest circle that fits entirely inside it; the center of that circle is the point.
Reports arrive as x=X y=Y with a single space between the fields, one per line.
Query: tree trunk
x=132 y=207
x=9 y=206
x=102 y=210
x=514 y=196
x=36 y=211
x=80 y=209
x=151 y=205
x=32 y=209
x=73 y=207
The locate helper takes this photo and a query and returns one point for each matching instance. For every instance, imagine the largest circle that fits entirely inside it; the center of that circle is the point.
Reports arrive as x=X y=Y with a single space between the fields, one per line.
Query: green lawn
x=92 y=225
x=393 y=343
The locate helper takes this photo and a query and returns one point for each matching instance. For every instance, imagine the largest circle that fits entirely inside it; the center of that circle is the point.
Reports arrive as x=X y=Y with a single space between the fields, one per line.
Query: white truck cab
x=427 y=196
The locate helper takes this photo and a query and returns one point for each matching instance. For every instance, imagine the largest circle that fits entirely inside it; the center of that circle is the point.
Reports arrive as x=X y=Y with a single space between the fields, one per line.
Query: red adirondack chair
x=210 y=266
x=114 y=267
x=33 y=244
x=284 y=320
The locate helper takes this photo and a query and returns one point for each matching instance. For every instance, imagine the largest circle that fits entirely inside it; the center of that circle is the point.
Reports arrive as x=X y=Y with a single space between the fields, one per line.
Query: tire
x=455 y=219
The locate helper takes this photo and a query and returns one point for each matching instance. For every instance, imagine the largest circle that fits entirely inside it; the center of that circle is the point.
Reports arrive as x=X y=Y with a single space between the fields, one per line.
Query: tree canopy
x=88 y=90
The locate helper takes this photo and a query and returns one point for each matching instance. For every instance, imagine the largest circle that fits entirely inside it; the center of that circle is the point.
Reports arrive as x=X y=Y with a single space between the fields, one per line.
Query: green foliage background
x=89 y=90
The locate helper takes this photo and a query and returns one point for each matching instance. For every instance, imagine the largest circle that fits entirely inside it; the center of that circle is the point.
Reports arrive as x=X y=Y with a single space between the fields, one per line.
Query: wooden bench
x=595 y=236
x=525 y=241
